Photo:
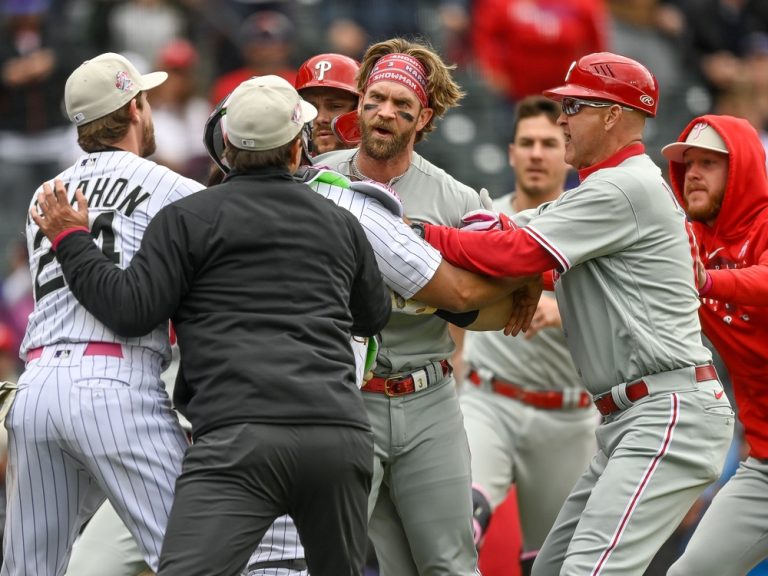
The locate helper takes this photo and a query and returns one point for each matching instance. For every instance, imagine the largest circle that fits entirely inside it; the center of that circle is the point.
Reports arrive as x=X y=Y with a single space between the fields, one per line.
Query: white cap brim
x=153 y=80
x=674 y=152
x=701 y=135
x=308 y=111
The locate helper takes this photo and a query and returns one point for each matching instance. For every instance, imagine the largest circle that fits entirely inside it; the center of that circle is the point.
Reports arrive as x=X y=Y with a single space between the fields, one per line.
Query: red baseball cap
x=177 y=54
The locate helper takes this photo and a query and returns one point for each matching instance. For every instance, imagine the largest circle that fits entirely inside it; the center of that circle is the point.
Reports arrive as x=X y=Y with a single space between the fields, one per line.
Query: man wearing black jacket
x=264 y=280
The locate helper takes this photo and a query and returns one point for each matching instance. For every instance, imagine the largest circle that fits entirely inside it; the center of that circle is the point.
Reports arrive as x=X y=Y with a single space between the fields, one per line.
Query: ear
x=424 y=117
x=510 y=155
x=135 y=113
x=296 y=155
x=612 y=117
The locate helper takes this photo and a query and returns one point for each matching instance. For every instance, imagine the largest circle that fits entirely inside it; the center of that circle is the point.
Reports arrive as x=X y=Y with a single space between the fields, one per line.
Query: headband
x=403 y=69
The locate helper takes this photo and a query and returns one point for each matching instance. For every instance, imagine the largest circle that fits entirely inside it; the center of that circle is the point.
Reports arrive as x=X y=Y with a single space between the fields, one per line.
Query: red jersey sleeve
x=748 y=286
x=493 y=253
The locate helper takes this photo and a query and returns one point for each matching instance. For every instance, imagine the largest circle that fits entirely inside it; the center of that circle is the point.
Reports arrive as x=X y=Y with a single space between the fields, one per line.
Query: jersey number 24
x=102 y=226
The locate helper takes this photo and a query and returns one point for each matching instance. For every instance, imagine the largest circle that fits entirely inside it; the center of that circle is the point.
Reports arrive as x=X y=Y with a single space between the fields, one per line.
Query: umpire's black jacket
x=264 y=280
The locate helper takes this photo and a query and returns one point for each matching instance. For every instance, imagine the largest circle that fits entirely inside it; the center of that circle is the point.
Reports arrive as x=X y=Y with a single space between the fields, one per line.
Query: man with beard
x=717 y=170
x=91 y=419
x=420 y=506
x=329 y=83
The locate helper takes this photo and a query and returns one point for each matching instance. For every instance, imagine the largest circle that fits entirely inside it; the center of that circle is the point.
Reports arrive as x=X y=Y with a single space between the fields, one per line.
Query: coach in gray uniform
x=626 y=290
x=264 y=281
x=529 y=420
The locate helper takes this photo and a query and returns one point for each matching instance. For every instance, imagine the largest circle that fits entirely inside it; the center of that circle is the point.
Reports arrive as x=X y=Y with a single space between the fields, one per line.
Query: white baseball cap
x=702 y=135
x=104 y=84
x=265 y=112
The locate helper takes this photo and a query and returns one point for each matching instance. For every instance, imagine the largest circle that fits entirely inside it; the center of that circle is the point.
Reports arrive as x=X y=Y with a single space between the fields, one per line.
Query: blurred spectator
x=352 y=25
x=652 y=32
x=223 y=19
x=9 y=370
x=526 y=46
x=9 y=365
x=35 y=59
x=180 y=113
x=720 y=33
x=267 y=42
x=16 y=298
x=143 y=27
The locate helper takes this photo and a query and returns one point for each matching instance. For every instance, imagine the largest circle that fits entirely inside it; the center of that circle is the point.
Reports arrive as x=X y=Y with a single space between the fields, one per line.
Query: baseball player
x=329 y=83
x=420 y=503
x=529 y=420
x=91 y=419
x=717 y=171
x=625 y=288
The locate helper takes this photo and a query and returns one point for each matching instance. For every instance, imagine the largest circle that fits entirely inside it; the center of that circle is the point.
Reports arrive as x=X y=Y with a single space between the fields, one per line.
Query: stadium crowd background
x=708 y=55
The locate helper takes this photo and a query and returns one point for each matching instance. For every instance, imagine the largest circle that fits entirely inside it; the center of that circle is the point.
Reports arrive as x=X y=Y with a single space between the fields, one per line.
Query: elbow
x=373 y=326
x=127 y=326
x=461 y=299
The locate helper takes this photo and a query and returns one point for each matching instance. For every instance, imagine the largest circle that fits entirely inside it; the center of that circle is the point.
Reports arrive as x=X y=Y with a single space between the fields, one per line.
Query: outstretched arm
x=494 y=252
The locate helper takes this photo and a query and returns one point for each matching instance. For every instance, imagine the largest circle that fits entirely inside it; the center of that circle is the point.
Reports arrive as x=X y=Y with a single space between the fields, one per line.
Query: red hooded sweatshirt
x=734 y=311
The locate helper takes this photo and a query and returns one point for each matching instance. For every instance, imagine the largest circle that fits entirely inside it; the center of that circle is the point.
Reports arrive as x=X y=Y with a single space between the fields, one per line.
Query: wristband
x=707 y=285
x=63 y=234
x=418 y=229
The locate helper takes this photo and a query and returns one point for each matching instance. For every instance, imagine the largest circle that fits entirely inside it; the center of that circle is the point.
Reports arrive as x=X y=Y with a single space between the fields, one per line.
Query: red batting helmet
x=606 y=76
x=328 y=70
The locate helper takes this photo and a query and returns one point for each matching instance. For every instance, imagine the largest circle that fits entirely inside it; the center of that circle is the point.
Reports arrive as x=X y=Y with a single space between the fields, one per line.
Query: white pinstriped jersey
x=124 y=192
x=406 y=262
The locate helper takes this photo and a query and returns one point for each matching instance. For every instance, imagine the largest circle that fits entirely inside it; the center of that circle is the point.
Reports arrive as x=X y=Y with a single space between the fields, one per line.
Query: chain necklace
x=357 y=173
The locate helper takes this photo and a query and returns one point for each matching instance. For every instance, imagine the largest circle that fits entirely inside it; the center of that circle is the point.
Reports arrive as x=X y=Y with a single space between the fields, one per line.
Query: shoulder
x=337 y=160
x=436 y=178
x=504 y=203
x=637 y=175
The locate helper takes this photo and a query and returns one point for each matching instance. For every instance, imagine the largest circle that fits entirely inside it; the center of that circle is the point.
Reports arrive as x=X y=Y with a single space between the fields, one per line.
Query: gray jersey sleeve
x=588 y=222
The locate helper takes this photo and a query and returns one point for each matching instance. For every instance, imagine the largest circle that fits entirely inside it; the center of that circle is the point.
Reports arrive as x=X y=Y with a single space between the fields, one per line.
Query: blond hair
x=100 y=134
x=443 y=92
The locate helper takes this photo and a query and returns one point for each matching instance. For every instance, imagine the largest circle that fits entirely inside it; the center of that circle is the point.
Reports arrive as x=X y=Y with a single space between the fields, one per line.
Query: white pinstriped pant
x=83 y=428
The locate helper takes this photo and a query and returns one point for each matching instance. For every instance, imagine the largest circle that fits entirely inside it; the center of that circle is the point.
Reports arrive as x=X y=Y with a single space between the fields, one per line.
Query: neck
x=382 y=170
x=131 y=142
x=524 y=201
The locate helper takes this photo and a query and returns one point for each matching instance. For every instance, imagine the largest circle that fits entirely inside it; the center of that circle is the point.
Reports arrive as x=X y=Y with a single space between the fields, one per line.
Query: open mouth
x=383 y=131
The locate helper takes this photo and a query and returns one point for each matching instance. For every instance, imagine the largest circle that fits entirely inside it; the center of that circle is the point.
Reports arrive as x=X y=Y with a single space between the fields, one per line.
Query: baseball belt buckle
x=394 y=381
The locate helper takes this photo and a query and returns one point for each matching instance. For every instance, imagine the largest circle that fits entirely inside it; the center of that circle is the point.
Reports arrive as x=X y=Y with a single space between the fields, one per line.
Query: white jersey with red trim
x=124 y=192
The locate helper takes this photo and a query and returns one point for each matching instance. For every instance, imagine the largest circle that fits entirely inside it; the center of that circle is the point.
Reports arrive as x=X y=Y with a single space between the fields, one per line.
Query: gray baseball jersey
x=91 y=418
x=542 y=451
x=626 y=294
x=420 y=504
x=629 y=308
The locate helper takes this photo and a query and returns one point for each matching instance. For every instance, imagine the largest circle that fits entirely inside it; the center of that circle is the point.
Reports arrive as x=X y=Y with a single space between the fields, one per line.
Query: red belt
x=402 y=385
x=546 y=399
x=607 y=405
x=91 y=349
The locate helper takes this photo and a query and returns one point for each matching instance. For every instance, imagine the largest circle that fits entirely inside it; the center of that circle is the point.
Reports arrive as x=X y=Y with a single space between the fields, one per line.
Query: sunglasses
x=573 y=106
